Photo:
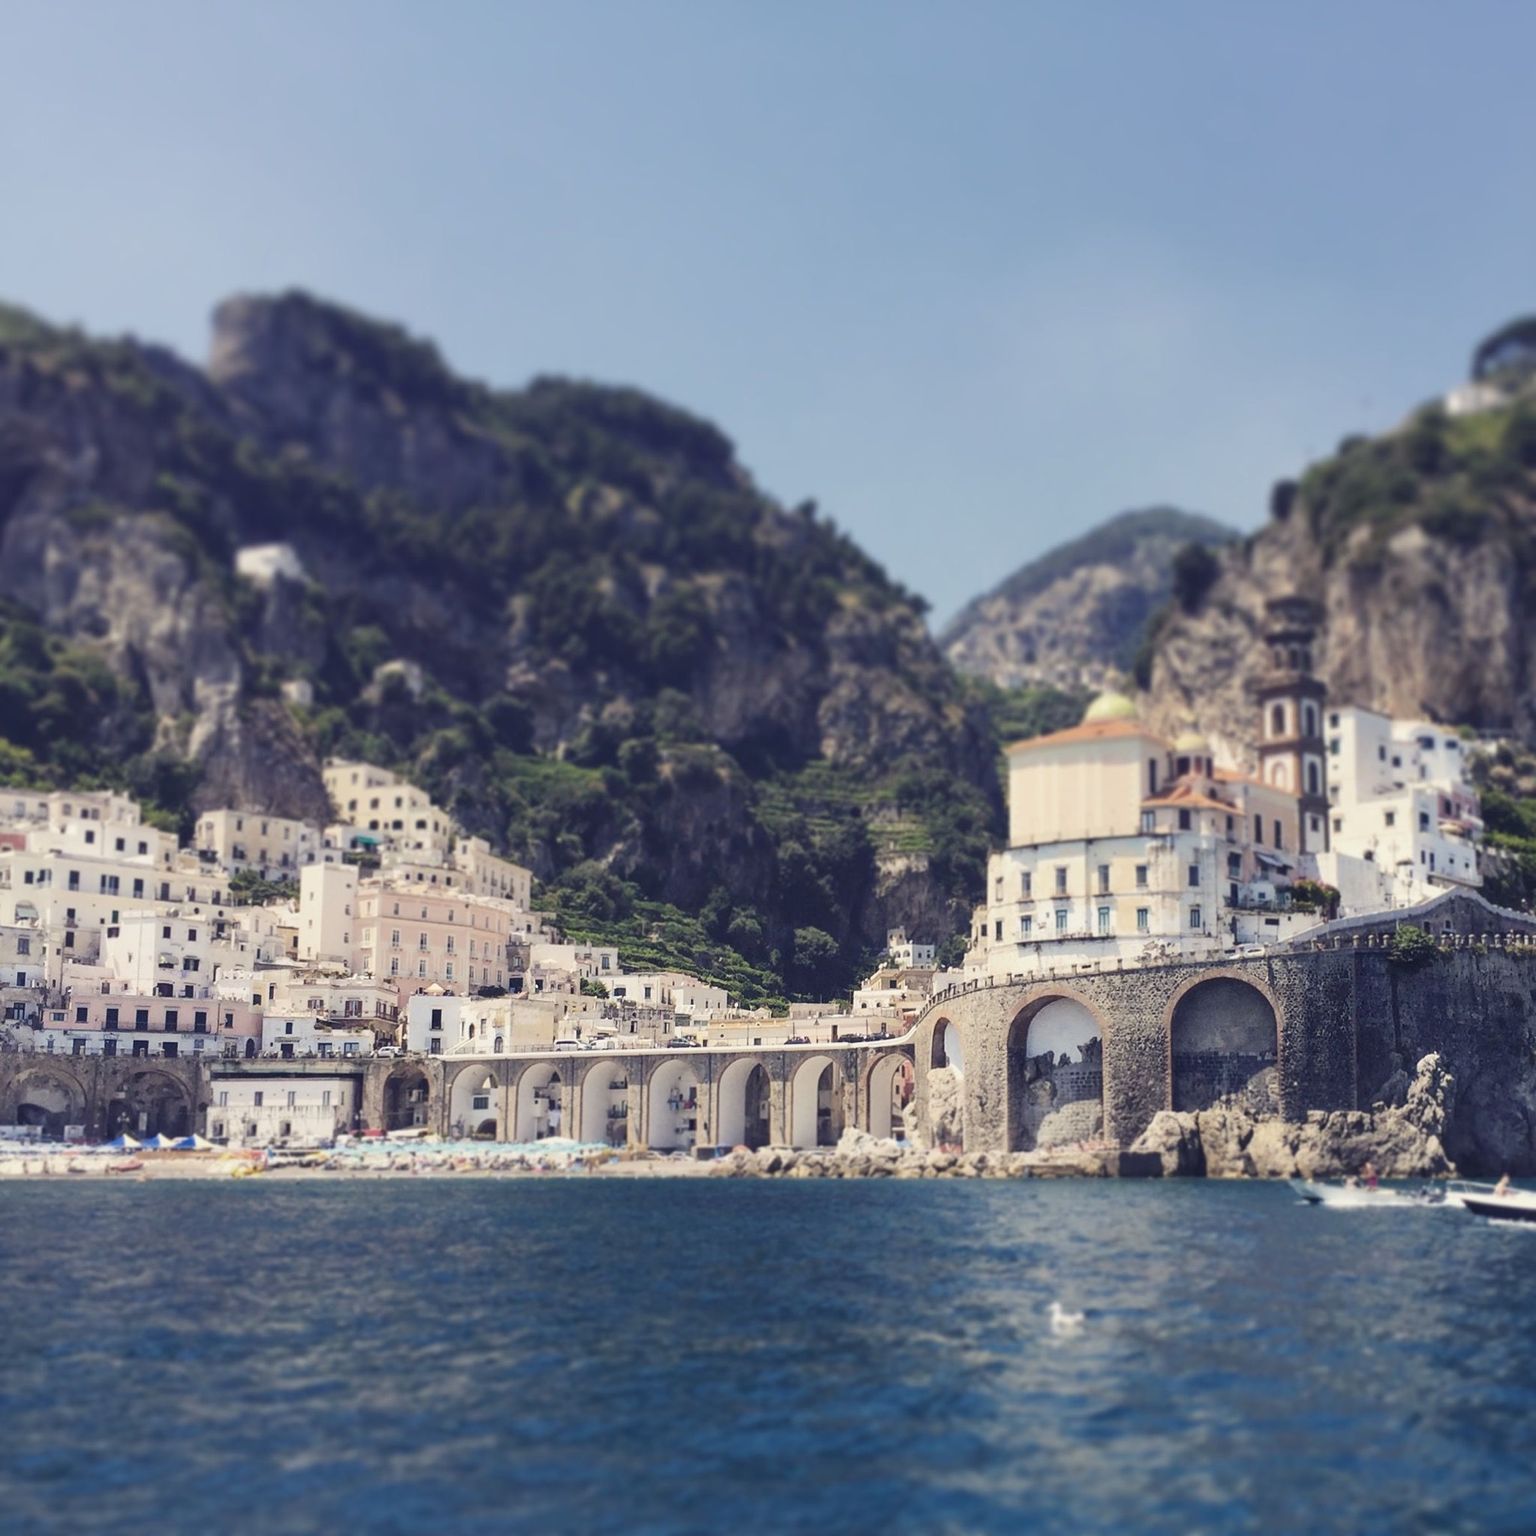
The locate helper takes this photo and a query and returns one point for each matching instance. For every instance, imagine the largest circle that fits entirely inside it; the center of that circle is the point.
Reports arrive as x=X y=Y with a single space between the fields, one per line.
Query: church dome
x=1190 y=743
x=1109 y=706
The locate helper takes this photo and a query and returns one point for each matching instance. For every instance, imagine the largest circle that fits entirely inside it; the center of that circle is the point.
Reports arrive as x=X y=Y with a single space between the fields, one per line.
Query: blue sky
x=974 y=276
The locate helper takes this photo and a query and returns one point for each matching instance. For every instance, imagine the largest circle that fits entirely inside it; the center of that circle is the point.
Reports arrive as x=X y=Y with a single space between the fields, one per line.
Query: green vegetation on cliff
x=715 y=729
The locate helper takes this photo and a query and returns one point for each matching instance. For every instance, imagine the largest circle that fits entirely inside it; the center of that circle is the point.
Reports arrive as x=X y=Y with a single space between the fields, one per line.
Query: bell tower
x=1292 y=754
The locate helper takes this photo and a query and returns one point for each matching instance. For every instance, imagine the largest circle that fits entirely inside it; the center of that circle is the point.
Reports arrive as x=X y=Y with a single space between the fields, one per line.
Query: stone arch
x=152 y=1102
x=604 y=1090
x=945 y=1049
x=1314 y=779
x=1280 y=773
x=815 y=1103
x=1277 y=720
x=888 y=1089
x=1309 y=717
x=474 y=1105
x=676 y=1106
x=1223 y=1034
x=407 y=1099
x=47 y=1096
x=1055 y=1072
x=744 y=1096
x=539 y=1114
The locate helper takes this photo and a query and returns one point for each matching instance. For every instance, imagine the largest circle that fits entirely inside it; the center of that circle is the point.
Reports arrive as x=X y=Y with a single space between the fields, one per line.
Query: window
x=1423 y=821
x=111 y=1018
x=1279 y=840
x=168 y=1048
x=1026 y=885
x=437 y=1019
x=1183 y=821
x=223 y=1098
x=1334 y=746
x=1103 y=879
x=80 y=1014
x=257 y=1099
x=1389 y=818
x=1277 y=720
x=1234 y=864
x=1061 y=879
x=394 y=938
x=1143 y=920
x=1194 y=874
x=998 y=928
x=1103 y=921
x=1148 y=821
x=171 y=1018
x=1338 y=823
x=1061 y=920
x=1141 y=877
x=325 y=1098
x=288 y=1027
x=1194 y=917
x=141 y=1018
x=1026 y=926
x=292 y=1098
x=1258 y=830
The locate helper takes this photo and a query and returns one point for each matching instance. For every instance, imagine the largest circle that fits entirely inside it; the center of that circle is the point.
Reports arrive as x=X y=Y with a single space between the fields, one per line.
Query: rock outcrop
x=1229 y=1141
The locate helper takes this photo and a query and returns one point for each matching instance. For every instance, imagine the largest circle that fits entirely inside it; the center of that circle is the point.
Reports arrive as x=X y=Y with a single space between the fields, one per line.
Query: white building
x=300 y=1110
x=1406 y=822
x=293 y=1035
x=328 y=926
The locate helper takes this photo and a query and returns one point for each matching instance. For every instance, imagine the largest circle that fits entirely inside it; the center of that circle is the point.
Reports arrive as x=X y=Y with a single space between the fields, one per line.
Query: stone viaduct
x=1005 y=1065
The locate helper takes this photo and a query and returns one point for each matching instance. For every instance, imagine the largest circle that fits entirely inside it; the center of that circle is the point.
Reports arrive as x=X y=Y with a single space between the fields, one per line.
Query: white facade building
x=300 y=1110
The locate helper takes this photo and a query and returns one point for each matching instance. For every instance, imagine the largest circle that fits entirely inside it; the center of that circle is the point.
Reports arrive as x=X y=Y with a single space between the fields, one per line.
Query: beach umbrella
x=193 y=1143
x=159 y=1143
x=124 y=1143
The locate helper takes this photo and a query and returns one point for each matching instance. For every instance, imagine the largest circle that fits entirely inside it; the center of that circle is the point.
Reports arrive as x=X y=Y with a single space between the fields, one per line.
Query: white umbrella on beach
x=124 y=1143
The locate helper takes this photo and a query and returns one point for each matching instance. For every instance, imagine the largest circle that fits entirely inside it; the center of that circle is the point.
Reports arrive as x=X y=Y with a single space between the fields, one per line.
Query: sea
x=579 y=1354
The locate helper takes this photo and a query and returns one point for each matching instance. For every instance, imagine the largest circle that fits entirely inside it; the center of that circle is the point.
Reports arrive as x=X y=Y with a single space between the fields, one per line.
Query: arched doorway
x=540 y=1114
x=407 y=1099
x=48 y=1099
x=1055 y=1075
x=151 y=1104
x=676 y=1107
x=605 y=1106
x=474 y=1106
x=890 y=1085
x=745 y=1105
x=816 y=1104
x=1224 y=1042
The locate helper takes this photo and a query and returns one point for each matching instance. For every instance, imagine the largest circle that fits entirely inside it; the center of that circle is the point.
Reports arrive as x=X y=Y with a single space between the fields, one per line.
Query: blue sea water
x=710 y=1356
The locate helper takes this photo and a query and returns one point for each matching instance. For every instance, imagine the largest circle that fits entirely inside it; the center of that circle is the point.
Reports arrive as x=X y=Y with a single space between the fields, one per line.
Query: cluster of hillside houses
x=1125 y=848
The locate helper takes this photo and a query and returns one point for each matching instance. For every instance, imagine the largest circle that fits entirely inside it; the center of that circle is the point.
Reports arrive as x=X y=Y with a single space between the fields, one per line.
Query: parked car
x=850 y=1039
x=601 y=1043
x=569 y=1045
x=390 y=1050
x=686 y=1041
x=798 y=1040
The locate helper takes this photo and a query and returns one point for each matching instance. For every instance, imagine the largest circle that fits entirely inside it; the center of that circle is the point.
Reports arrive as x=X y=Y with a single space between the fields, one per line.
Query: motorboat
x=1485 y=1200
x=1354 y=1195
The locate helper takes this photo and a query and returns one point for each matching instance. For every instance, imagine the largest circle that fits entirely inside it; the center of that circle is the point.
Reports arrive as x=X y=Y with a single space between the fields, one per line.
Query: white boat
x=1361 y=1197
x=1485 y=1200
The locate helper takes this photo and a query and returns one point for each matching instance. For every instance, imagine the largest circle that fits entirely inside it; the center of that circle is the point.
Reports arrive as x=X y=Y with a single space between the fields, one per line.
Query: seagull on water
x=1064 y=1323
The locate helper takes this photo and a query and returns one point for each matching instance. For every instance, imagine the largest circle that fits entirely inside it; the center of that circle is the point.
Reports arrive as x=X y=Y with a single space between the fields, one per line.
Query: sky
x=973 y=276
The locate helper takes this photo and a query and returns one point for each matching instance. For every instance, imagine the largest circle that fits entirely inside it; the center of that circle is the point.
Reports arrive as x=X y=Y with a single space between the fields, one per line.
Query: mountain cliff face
x=1076 y=617
x=1420 y=548
x=564 y=609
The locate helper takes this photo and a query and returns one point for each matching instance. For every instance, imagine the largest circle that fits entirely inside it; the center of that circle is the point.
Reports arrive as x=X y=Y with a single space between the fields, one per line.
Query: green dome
x=1189 y=742
x=1109 y=706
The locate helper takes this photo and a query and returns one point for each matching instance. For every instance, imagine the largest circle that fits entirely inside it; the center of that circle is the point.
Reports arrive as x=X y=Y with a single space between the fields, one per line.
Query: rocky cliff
x=565 y=609
x=1077 y=616
x=1420 y=548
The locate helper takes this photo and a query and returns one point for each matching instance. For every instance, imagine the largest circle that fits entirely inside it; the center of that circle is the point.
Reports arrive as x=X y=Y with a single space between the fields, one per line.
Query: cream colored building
x=1126 y=847
x=275 y=847
x=329 y=926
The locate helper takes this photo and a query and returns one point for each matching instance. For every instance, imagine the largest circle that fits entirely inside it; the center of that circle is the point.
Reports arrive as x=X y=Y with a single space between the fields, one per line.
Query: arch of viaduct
x=802 y=1096
x=983 y=1030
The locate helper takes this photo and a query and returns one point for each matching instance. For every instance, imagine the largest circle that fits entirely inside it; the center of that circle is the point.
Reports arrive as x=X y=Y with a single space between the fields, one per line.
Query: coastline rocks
x=1229 y=1141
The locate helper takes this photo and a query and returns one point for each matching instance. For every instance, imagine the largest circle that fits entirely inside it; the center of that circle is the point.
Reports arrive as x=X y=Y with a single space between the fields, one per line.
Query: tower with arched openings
x=1291 y=698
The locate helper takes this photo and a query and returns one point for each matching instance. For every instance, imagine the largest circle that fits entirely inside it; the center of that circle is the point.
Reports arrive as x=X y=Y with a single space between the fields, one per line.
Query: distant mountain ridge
x=1077 y=615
